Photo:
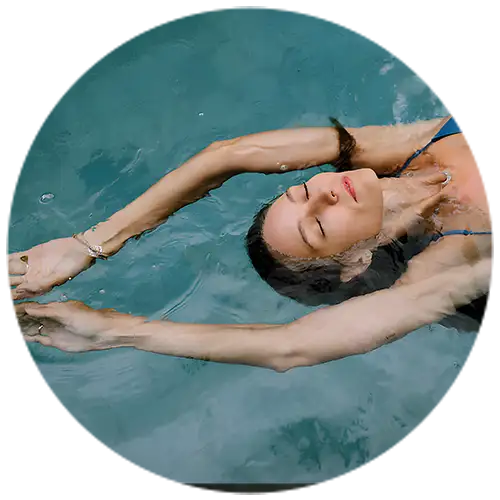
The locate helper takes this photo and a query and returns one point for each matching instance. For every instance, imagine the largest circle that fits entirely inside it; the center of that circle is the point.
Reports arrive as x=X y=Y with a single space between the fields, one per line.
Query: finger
x=17 y=294
x=40 y=339
x=21 y=293
x=28 y=290
x=16 y=280
x=16 y=265
x=29 y=326
x=19 y=309
x=435 y=178
x=52 y=310
x=430 y=204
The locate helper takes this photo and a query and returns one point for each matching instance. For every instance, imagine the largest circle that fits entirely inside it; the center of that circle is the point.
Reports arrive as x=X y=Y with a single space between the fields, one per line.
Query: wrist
x=108 y=236
x=125 y=330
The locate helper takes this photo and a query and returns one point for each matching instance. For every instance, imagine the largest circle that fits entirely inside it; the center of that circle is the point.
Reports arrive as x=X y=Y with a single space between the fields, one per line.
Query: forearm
x=184 y=185
x=384 y=149
x=276 y=151
x=268 y=152
x=256 y=344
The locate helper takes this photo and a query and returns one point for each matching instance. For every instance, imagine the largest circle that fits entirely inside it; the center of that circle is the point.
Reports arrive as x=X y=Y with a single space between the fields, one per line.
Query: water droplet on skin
x=284 y=167
x=46 y=198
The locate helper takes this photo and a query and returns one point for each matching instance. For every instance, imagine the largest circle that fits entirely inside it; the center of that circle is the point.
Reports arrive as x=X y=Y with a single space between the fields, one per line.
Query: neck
x=404 y=197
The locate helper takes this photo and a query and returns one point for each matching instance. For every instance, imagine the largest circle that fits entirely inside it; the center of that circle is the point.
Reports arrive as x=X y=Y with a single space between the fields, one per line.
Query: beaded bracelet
x=94 y=250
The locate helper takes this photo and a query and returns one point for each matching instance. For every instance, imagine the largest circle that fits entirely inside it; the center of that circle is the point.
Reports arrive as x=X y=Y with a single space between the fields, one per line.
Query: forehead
x=280 y=230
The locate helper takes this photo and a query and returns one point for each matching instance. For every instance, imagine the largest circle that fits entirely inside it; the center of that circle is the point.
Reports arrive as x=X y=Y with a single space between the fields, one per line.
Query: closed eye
x=321 y=228
x=307 y=191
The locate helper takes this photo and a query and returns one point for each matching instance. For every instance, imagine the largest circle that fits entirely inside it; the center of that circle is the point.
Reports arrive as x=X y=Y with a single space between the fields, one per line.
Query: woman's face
x=326 y=215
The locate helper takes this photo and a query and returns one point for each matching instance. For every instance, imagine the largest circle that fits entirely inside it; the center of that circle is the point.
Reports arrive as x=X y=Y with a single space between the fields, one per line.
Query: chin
x=368 y=172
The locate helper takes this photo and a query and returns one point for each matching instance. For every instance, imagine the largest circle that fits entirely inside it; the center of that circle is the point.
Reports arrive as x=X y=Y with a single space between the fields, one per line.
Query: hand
x=74 y=327
x=44 y=266
x=417 y=217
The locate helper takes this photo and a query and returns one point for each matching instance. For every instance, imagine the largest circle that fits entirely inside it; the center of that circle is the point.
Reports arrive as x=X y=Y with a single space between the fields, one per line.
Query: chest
x=468 y=206
x=466 y=185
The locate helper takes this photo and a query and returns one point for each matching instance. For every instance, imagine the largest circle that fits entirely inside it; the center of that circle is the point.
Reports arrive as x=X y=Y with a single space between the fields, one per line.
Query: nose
x=322 y=198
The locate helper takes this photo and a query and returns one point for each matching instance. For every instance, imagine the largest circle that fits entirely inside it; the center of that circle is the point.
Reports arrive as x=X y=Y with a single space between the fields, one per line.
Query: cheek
x=351 y=226
x=370 y=222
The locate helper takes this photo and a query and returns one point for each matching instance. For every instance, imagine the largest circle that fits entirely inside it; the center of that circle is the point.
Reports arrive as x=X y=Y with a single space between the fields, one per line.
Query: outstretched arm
x=39 y=269
x=266 y=152
x=354 y=327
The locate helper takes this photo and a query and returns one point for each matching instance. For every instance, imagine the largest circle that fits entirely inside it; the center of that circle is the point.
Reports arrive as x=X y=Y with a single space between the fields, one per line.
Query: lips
x=347 y=183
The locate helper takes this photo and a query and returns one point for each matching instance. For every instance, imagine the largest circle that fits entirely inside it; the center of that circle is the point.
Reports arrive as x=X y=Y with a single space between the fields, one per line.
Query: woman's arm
x=278 y=151
x=448 y=253
x=354 y=327
x=385 y=149
x=267 y=152
x=38 y=270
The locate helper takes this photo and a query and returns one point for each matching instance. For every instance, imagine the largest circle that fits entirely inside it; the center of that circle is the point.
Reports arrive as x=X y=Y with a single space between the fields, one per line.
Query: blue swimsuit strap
x=464 y=232
x=449 y=128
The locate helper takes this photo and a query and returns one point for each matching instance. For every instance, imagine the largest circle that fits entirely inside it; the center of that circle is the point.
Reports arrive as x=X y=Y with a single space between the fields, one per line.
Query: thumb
x=435 y=178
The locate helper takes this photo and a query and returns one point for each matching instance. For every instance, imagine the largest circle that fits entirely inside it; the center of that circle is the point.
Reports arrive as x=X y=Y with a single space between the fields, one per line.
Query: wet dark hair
x=317 y=282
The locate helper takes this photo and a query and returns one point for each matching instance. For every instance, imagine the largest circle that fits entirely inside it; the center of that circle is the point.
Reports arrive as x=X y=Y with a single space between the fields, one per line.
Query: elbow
x=290 y=354
x=229 y=155
x=281 y=365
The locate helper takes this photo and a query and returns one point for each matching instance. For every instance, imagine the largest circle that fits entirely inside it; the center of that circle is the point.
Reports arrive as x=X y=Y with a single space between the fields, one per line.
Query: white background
x=42 y=43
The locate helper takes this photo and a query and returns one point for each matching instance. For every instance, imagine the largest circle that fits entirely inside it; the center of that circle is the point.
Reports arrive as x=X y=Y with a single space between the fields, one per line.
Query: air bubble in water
x=102 y=291
x=46 y=198
x=64 y=297
x=201 y=113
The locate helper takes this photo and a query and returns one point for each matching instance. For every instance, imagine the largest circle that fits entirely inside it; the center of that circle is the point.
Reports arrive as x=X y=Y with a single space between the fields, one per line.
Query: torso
x=471 y=162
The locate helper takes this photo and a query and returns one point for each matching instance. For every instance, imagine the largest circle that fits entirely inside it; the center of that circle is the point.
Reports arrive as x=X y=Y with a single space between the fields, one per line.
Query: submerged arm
x=354 y=327
x=382 y=148
x=448 y=253
x=266 y=152
x=39 y=269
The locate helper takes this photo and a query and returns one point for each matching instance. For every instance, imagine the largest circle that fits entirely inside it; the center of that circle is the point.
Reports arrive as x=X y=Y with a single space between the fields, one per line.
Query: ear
x=355 y=265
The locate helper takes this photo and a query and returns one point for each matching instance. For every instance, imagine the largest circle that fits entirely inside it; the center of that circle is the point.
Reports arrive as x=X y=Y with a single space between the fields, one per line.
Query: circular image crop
x=157 y=110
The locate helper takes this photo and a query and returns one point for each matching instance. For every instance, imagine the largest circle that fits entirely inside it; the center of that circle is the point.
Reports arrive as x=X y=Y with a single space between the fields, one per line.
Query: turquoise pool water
x=140 y=113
